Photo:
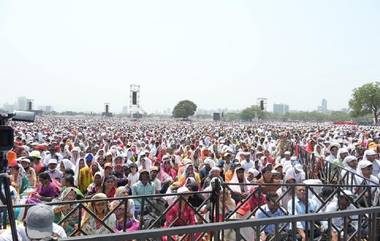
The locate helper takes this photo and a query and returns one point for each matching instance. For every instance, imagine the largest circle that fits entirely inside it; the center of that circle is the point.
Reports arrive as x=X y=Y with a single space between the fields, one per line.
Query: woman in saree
x=90 y=225
x=125 y=218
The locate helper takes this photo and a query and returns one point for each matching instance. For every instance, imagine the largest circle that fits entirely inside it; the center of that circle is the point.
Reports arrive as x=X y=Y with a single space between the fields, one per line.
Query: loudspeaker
x=216 y=116
x=134 y=98
x=30 y=105
x=261 y=105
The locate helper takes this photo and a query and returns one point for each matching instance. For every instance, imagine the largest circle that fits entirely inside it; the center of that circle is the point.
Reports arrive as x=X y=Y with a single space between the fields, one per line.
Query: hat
x=220 y=163
x=370 y=152
x=348 y=159
x=23 y=159
x=274 y=172
x=35 y=154
x=287 y=153
x=39 y=221
x=89 y=157
x=254 y=172
x=215 y=169
x=227 y=154
x=364 y=163
x=154 y=168
x=278 y=165
x=209 y=161
x=334 y=145
x=52 y=161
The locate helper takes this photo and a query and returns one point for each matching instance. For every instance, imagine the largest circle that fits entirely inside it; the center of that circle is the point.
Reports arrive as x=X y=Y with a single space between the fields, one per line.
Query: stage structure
x=30 y=105
x=134 y=102
x=262 y=103
x=107 y=112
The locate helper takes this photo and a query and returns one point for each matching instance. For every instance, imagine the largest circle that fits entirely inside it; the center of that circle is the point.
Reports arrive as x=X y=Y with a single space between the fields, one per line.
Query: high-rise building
x=46 y=108
x=22 y=103
x=280 y=109
x=125 y=110
x=323 y=107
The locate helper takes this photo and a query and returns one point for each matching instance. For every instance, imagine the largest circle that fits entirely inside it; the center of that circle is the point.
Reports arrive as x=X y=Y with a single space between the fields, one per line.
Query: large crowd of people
x=67 y=159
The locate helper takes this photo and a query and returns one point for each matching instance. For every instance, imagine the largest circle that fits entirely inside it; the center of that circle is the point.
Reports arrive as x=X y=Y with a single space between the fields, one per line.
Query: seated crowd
x=262 y=165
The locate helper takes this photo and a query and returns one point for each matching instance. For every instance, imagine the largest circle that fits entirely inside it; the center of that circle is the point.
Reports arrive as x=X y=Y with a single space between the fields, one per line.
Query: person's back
x=38 y=226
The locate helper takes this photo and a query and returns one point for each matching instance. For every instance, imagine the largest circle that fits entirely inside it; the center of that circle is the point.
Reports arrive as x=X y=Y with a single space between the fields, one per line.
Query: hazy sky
x=79 y=54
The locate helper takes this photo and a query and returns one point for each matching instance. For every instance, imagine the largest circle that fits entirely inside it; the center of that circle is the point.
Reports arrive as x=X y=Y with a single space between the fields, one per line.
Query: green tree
x=184 y=109
x=366 y=100
x=251 y=112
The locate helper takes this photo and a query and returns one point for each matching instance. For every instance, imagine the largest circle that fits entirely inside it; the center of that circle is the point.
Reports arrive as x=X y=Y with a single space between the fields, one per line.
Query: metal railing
x=148 y=207
x=362 y=193
x=366 y=231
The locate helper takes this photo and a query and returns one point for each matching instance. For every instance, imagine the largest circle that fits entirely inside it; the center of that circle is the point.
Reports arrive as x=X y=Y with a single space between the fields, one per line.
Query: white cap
x=24 y=159
x=253 y=171
x=287 y=153
x=370 y=152
x=348 y=159
x=52 y=161
x=39 y=222
x=215 y=169
x=364 y=163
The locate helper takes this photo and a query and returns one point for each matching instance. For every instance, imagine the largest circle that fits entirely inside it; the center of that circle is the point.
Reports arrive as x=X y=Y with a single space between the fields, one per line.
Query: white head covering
x=68 y=164
x=234 y=179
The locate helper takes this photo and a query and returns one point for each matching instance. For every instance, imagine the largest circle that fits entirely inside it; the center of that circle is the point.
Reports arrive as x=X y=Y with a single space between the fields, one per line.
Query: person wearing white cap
x=372 y=156
x=297 y=172
x=247 y=163
x=350 y=164
x=342 y=153
x=54 y=173
x=29 y=171
x=333 y=152
x=286 y=160
x=343 y=202
x=365 y=176
x=252 y=175
x=38 y=225
x=204 y=171
x=214 y=172
x=227 y=161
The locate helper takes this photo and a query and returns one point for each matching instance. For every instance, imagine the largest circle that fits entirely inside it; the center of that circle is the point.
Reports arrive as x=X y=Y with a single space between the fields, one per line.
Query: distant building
x=323 y=107
x=281 y=109
x=47 y=108
x=9 y=107
x=125 y=110
x=22 y=103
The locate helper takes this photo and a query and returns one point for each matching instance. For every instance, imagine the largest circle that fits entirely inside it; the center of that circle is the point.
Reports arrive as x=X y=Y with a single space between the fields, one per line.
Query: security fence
x=246 y=230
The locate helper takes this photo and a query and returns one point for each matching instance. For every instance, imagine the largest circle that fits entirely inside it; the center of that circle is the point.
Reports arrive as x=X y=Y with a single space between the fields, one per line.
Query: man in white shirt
x=154 y=179
x=343 y=202
x=38 y=226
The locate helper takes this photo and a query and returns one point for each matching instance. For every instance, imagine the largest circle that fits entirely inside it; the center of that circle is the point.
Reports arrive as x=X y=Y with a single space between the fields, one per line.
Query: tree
x=251 y=112
x=366 y=100
x=184 y=109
